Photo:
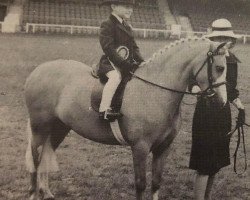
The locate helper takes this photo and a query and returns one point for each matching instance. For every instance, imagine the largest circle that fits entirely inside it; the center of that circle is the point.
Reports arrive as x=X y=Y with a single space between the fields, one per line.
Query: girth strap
x=117 y=133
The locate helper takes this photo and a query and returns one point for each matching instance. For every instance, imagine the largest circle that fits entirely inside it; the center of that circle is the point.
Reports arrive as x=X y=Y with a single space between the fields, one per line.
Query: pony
x=58 y=99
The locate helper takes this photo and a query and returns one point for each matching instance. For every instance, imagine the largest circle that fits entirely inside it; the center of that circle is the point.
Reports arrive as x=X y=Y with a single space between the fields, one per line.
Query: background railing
x=92 y=30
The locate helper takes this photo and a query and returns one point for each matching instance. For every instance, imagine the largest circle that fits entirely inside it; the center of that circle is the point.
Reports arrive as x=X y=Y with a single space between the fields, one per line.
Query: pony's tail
x=30 y=166
x=48 y=162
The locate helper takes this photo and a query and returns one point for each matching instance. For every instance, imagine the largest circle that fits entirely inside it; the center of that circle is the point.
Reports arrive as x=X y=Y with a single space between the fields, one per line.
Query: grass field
x=91 y=171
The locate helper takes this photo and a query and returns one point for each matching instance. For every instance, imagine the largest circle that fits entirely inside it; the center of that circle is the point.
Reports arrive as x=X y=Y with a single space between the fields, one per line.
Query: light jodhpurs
x=114 y=79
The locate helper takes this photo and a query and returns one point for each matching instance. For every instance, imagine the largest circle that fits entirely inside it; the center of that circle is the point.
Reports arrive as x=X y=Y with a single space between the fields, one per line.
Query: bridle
x=209 y=92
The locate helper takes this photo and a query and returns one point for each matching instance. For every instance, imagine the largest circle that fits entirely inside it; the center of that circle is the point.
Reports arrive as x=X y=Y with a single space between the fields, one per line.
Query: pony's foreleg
x=157 y=169
x=140 y=153
x=159 y=156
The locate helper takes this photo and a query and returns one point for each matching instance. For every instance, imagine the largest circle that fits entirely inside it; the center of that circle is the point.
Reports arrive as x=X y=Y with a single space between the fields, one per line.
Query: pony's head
x=211 y=76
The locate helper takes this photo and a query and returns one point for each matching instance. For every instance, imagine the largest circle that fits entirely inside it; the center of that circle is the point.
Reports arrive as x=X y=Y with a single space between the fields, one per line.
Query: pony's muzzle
x=210 y=93
x=218 y=101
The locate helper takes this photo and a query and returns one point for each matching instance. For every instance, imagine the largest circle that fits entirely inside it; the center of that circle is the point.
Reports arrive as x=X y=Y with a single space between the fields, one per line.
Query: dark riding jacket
x=114 y=34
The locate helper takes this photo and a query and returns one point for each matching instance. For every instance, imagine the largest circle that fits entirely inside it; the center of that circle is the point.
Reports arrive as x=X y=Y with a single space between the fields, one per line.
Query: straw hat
x=222 y=27
x=124 y=2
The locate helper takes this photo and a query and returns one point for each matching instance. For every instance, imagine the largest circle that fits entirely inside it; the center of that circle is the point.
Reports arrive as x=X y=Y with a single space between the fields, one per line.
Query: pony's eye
x=220 y=68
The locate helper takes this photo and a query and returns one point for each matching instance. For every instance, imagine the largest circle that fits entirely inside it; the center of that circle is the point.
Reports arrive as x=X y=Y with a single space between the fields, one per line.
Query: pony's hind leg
x=40 y=154
x=33 y=153
x=48 y=162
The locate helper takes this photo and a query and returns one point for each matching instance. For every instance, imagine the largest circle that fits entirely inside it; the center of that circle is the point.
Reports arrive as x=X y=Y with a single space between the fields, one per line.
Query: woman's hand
x=196 y=89
x=237 y=103
x=241 y=116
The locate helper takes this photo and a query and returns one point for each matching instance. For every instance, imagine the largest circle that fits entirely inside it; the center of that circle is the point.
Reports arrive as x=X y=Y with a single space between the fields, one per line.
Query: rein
x=207 y=92
x=165 y=88
x=241 y=134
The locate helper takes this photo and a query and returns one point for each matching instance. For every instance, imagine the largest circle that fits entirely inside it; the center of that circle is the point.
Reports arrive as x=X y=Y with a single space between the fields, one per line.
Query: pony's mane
x=171 y=45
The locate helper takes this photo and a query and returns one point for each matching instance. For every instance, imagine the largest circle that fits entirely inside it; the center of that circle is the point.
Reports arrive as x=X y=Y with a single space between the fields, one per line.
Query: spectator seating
x=87 y=13
x=202 y=13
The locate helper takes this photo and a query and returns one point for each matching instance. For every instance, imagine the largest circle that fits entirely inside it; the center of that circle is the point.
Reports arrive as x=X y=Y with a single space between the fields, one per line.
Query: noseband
x=209 y=92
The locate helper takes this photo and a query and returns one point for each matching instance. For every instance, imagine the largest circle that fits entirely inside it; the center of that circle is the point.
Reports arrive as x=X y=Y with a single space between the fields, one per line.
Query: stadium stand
x=88 y=13
x=202 y=12
x=151 y=18
x=166 y=12
x=10 y=12
x=3 y=11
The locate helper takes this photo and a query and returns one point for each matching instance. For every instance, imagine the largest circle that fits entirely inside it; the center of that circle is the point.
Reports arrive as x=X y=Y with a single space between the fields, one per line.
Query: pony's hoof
x=47 y=195
x=34 y=196
x=49 y=198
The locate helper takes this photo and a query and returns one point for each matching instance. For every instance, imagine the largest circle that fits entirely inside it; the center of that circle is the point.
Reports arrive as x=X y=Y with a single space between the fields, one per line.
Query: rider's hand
x=142 y=63
x=133 y=66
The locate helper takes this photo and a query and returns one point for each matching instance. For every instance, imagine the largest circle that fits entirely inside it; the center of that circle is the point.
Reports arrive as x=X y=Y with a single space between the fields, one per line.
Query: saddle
x=96 y=94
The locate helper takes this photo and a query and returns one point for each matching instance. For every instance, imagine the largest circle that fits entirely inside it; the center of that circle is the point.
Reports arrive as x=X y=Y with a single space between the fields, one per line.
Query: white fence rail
x=72 y=29
x=90 y=30
x=33 y=28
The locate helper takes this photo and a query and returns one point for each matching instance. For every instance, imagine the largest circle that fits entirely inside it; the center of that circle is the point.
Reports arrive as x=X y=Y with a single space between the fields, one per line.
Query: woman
x=210 y=142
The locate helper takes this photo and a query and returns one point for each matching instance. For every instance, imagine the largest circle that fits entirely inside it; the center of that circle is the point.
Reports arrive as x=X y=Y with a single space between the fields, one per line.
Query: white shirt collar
x=117 y=17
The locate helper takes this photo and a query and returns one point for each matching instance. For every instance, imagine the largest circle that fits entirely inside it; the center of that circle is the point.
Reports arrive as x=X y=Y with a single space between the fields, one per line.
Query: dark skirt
x=210 y=143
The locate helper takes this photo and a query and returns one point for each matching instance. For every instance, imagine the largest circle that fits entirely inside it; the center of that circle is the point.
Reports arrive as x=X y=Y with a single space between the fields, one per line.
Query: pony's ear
x=223 y=48
x=222 y=45
x=216 y=46
x=228 y=45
